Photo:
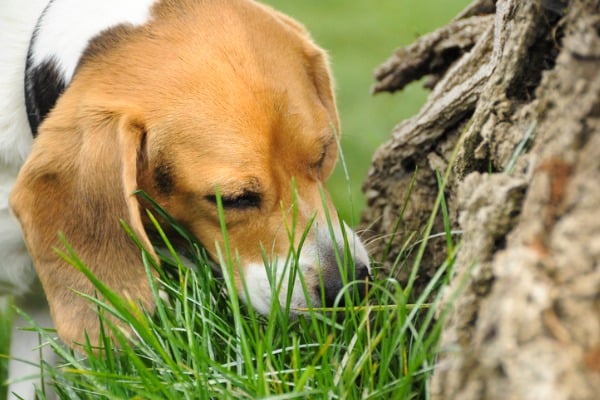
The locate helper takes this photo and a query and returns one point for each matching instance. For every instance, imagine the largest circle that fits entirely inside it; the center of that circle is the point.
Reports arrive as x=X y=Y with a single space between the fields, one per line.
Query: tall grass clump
x=202 y=343
x=6 y=320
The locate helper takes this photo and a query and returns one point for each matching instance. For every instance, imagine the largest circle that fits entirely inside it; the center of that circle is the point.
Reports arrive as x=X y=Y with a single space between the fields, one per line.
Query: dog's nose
x=357 y=290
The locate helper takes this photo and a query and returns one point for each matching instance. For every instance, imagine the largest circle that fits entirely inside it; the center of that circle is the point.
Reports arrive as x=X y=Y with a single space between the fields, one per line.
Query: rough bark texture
x=516 y=86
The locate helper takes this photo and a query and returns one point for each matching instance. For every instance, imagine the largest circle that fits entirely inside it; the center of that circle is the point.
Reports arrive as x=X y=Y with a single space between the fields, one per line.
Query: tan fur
x=226 y=94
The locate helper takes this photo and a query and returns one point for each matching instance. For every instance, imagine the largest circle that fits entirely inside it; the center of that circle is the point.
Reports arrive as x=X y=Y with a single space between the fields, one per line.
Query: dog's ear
x=79 y=181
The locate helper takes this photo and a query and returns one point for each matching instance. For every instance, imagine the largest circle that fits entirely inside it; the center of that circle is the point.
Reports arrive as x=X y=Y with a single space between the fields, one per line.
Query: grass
x=6 y=318
x=202 y=343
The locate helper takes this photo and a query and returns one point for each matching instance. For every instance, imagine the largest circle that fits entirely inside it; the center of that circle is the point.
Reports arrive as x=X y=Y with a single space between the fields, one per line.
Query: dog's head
x=207 y=98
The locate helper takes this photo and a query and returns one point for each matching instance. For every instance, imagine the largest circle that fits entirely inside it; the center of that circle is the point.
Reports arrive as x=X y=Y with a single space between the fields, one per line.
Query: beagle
x=181 y=99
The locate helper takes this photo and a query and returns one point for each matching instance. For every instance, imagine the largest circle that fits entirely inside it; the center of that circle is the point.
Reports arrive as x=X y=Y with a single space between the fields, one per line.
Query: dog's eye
x=240 y=202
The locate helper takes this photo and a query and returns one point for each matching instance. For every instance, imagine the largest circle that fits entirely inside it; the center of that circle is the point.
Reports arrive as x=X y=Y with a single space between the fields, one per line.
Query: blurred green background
x=360 y=35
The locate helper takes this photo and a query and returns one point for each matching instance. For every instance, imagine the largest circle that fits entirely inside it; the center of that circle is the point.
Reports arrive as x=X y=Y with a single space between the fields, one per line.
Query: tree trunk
x=516 y=89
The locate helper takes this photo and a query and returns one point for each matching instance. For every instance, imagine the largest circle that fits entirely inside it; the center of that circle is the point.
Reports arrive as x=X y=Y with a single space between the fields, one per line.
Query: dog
x=186 y=100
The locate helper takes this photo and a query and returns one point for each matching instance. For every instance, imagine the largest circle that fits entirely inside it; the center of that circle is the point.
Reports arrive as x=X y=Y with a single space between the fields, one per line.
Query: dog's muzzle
x=331 y=268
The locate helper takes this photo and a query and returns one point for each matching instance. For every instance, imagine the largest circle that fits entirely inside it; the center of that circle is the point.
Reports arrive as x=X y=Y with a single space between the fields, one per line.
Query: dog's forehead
x=239 y=122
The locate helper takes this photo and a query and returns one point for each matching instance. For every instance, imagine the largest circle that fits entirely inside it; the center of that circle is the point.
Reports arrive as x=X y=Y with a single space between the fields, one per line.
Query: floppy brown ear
x=79 y=180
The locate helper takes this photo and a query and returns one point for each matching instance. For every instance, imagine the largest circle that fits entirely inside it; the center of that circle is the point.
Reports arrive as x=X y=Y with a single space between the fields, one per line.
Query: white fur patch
x=260 y=288
x=17 y=22
x=68 y=25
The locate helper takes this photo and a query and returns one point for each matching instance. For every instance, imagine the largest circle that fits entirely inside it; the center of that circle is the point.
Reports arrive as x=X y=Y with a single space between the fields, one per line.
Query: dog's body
x=180 y=99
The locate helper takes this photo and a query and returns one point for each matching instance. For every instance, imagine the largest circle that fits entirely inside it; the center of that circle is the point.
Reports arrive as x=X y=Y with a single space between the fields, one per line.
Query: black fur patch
x=43 y=85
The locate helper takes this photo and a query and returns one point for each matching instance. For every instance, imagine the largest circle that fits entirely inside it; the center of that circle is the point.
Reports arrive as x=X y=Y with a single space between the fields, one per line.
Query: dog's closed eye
x=241 y=201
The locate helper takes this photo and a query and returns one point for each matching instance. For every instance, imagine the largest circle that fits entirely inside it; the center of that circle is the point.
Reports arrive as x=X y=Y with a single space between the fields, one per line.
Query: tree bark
x=516 y=86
